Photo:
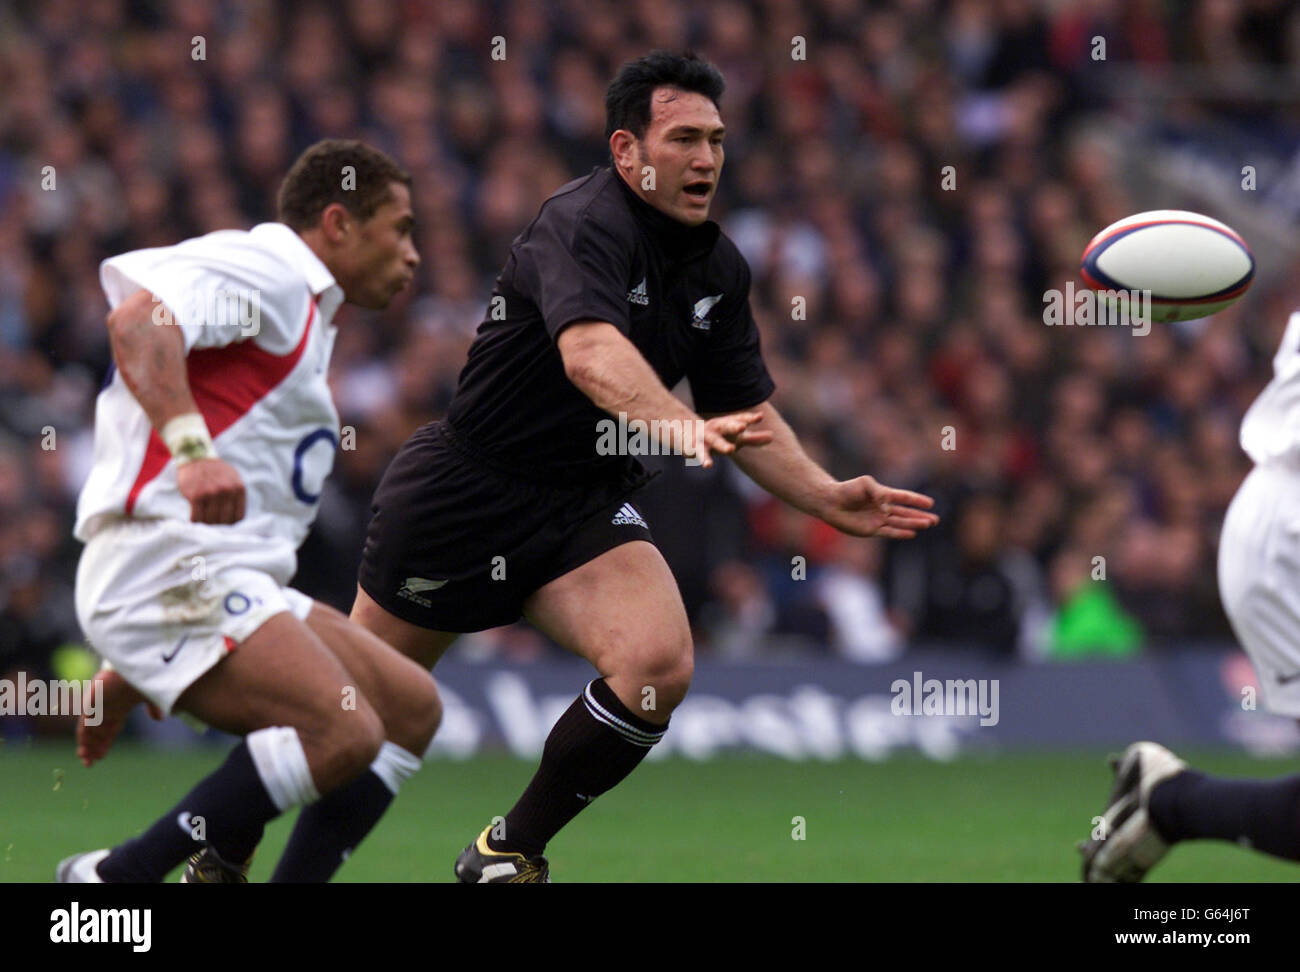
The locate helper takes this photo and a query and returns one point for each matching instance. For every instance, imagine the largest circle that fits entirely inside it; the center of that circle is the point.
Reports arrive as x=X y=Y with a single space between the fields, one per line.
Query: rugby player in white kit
x=213 y=434
x=1157 y=799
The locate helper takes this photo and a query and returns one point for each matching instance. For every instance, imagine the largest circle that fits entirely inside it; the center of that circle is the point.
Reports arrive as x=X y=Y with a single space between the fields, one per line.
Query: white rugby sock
x=394 y=765
x=329 y=830
x=282 y=765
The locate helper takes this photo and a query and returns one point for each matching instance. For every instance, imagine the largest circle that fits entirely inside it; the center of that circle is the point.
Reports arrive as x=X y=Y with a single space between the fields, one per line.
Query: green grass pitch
x=1004 y=818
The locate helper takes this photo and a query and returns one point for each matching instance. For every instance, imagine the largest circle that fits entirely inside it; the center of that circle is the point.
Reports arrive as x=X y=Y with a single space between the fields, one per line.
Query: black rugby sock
x=226 y=809
x=1263 y=814
x=237 y=849
x=330 y=829
x=594 y=745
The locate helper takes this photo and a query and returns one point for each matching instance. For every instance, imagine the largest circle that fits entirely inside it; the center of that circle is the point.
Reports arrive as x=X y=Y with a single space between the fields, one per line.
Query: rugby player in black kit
x=618 y=289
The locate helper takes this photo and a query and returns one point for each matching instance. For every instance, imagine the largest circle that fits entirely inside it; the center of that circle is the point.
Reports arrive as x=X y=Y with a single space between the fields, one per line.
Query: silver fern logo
x=702 y=308
x=415 y=586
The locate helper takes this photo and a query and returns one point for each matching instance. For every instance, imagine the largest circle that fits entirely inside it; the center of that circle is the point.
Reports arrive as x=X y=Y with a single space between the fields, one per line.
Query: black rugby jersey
x=598 y=251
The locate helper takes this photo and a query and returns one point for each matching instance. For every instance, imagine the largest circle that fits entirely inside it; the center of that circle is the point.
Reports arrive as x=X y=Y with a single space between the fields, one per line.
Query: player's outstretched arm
x=607 y=368
x=861 y=507
x=151 y=359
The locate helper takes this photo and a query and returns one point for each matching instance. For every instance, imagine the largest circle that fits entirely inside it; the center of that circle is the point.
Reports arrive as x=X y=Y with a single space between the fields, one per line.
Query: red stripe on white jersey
x=226 y=383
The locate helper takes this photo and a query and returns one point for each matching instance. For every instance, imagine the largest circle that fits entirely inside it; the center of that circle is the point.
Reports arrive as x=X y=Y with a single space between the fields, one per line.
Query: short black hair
x=627 y=99
x=316 y=180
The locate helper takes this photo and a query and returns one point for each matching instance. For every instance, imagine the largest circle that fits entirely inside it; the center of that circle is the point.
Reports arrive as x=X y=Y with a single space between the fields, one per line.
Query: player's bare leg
x=327 y=831
x=285 y=675
x=402 y=691
x=408 y=706
x=279 y=689
x=622 y=612
x=406 y=699
x=419 y=644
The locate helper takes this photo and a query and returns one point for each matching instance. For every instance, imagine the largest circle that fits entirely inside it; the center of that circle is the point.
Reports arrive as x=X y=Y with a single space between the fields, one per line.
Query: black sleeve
x=575 y=269
x=728 y=373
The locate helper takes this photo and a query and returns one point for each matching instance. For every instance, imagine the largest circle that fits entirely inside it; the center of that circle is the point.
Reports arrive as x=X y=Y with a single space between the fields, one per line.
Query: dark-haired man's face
x=683 y=145
x=374 y=259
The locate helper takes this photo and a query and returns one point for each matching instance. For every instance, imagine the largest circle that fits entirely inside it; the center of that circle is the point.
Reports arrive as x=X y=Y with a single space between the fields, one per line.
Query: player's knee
x=360 y=745
x=676 y=682
x=668 y=669
x=417 y=717
x=346 y=745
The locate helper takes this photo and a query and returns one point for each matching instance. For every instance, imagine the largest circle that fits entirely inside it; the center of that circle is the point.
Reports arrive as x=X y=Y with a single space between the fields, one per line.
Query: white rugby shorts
x=164 y=600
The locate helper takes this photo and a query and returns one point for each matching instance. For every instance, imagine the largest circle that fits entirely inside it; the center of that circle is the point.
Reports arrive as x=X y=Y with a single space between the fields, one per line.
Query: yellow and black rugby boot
x=480 y=864
x=206 y=867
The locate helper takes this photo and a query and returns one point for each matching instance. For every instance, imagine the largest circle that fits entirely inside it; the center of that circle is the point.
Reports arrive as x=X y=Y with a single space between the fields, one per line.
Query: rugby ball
x=1193 y=266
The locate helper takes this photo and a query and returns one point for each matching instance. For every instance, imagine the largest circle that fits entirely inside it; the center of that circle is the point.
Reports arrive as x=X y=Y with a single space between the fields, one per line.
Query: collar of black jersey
x=681 y=241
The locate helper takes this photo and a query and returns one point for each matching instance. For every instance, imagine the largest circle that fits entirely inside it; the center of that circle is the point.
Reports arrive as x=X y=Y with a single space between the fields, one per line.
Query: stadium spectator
x=892 y=308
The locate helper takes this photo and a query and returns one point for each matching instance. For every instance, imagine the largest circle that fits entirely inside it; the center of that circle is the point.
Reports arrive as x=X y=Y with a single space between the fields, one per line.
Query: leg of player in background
x=1260 y=814
x=1157 y=801
x=421 y=645
x=1257 y=585
x=406 y=699
x=280 y=689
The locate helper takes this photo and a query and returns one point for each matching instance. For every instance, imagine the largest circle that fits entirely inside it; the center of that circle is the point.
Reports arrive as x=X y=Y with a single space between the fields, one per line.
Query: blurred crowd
x=1082 y=473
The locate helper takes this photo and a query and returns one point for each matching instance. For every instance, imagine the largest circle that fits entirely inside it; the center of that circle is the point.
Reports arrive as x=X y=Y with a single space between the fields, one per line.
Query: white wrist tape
x=187 y=439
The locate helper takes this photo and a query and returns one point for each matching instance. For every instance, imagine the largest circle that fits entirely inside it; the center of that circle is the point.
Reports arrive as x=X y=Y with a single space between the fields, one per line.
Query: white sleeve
x=217 y=292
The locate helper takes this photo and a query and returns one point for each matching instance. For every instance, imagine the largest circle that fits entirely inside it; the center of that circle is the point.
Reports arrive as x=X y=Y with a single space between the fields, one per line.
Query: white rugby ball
x=1192 y=265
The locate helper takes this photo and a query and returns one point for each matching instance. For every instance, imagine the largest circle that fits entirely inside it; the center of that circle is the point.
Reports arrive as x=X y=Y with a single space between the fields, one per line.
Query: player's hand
x=214 y=489
x=863 y=507
x=727 y=433
x=113 y=698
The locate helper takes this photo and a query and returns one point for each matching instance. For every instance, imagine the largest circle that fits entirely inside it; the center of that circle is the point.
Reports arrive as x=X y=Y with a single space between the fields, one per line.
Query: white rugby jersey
x=1271 y=428
x=255 y=310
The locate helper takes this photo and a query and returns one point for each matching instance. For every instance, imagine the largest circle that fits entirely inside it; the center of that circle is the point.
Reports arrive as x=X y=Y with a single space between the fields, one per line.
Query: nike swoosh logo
x=1284 y=679
x=179 y=645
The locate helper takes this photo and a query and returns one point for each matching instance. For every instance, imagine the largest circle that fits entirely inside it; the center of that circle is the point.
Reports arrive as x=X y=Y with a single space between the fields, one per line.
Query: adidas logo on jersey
x=627 y=516
x=637 y=294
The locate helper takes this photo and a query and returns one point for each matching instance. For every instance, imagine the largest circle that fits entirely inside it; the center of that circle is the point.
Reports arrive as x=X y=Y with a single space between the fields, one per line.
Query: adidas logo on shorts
x=627 y=516
x=637 y=294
